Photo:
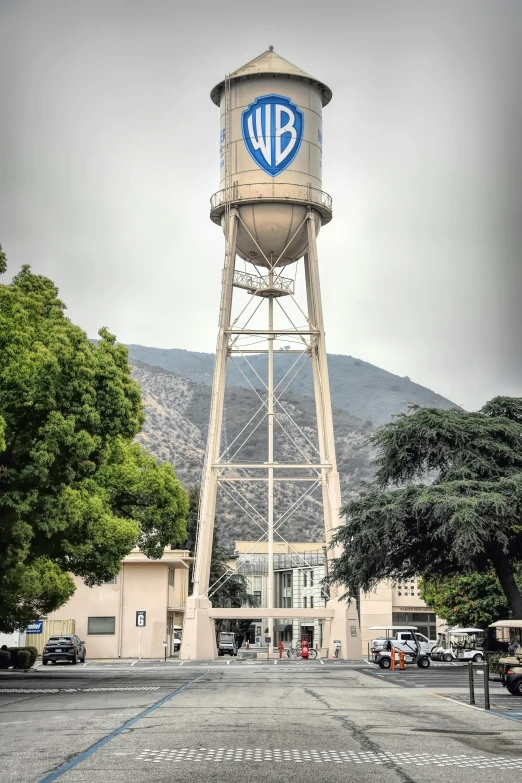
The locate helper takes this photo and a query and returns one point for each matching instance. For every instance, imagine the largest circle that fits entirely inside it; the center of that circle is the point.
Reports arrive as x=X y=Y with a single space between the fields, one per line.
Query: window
x=111 y=581
x=289 y=580
x=257 y=596
x=304 y=580
x=171 y=577
x=311 y=578
x=97 y=626
x=305 y=602
x=311 y=602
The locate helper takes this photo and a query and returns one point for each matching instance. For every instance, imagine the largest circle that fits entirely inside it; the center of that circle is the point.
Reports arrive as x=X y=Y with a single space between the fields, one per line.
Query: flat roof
x=393 y=628
x=507 y=624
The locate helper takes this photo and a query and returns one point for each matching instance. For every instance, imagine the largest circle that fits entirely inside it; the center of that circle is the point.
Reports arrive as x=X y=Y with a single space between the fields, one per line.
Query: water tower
x=271 y=207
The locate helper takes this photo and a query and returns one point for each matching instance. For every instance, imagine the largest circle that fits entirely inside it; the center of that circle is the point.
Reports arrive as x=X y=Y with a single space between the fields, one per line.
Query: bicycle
x=296 y=652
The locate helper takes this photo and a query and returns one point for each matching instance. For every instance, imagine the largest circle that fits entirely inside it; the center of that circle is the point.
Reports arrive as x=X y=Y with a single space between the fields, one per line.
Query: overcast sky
x=109 y=155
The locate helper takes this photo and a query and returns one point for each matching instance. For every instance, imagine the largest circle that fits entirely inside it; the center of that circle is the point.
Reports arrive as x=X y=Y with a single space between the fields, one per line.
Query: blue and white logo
x=273 y=131
x=35 y=627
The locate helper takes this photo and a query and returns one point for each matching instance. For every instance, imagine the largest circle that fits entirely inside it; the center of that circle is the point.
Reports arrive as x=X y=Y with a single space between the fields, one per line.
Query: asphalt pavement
x=247 y=720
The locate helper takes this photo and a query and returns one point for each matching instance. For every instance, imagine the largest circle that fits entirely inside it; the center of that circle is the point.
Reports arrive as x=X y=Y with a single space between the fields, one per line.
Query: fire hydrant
x=304 y=649
x=281 y=647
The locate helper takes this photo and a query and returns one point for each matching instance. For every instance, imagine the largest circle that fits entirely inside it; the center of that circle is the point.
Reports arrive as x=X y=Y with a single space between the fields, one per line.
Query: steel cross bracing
x=243 y=337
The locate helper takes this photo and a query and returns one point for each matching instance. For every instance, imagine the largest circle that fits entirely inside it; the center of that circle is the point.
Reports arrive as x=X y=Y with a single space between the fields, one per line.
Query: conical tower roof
x=270 y=63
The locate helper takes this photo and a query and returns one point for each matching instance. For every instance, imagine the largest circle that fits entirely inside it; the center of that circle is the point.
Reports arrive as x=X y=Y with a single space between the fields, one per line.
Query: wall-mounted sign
x=35 y=627
x=141 y=618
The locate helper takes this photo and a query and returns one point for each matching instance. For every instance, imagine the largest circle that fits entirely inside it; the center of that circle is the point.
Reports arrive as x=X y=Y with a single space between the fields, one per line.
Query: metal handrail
x=271 y=191
x=259 y=282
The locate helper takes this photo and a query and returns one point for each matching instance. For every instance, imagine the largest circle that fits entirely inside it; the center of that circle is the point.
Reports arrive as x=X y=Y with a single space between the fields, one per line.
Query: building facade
x=105 y=615
x=300 y=571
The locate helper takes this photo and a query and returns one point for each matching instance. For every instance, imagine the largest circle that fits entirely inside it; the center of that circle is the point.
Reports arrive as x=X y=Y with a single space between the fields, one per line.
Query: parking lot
x=451 y=681
x=249 y=720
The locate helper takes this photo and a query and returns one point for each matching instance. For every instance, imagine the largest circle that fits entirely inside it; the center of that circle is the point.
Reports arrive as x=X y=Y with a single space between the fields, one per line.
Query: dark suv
x=66 y=647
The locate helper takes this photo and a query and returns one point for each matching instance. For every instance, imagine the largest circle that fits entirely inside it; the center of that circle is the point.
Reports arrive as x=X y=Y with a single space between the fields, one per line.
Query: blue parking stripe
x=97 y=745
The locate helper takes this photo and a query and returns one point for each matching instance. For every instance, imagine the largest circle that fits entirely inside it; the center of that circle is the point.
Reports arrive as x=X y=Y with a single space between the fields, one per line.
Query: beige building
x=299 y=570
x=398 y=604
x=105 y=615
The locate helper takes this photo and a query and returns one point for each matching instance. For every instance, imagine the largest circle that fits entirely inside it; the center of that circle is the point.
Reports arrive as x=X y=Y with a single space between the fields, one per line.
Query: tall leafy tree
x=475 y=600
x=469 y=519
x=76 y=494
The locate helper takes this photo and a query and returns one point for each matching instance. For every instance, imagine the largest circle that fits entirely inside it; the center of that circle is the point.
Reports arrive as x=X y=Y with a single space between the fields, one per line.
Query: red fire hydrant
x=304 y=648
x=280 y=647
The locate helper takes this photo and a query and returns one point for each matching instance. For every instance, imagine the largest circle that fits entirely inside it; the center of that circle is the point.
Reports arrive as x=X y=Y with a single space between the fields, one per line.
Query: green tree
x=475 y=600
x=469 y=519
x=76 y=494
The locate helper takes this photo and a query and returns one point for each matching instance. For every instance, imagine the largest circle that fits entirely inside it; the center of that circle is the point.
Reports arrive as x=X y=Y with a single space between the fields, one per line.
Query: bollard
x=487 y=705
x=401 y=659
x=281 y=647
x=392 y=659
x=471 y=684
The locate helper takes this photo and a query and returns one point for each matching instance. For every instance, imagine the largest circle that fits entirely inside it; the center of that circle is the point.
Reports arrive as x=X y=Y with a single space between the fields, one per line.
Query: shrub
x=493 y=660
x=27 y=660
x=14 y=656
x=34 y=654
x=5 y=659
x=23 y=659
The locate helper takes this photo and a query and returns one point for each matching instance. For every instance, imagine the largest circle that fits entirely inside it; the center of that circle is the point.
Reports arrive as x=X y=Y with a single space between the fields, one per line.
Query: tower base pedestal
x=344 y=628
x=199 y=632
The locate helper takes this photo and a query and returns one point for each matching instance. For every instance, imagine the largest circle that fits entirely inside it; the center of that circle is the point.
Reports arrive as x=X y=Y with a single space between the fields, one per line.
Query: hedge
x=18 y=657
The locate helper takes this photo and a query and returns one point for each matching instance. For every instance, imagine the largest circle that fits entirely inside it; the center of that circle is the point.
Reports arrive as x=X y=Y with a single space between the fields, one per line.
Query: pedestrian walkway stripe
x=75 y=690
x=298 y=756
x=56 y=773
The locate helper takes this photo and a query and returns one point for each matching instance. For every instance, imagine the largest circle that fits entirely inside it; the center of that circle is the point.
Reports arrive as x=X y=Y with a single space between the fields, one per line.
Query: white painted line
x=12 y=722
x=85 y=664
x=322 y=661
x=37 y=666
x=182 y=662
x=275 y=663
x=134 y=663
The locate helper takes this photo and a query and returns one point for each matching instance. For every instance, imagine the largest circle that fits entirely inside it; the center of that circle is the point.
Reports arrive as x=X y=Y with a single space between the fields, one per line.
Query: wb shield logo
x=272 y=131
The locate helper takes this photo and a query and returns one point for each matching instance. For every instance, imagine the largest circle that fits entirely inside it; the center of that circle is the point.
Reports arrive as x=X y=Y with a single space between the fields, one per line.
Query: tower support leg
x=344 y=626
x=199 y=638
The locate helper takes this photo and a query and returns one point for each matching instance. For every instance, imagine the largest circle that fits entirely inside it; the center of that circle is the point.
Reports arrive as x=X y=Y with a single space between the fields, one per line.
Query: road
x=251 y=721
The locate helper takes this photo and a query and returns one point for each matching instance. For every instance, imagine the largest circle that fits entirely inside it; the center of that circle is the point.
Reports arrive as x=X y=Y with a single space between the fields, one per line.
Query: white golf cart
x=508 y=634
x=442 y=650
x=464 y=644
x=394 y=637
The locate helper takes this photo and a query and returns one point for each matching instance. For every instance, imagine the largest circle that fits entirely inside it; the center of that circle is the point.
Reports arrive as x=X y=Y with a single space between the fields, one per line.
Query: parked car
x=65 y=647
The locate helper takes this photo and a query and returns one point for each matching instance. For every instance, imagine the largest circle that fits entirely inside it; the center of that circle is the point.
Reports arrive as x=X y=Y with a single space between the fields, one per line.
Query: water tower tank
x=271 y=169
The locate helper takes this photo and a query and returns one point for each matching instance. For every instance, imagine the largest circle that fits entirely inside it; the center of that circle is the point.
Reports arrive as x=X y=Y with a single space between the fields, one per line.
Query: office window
x=257 y=596
x=311 y=578
x=98 y=626
x=304 y=579
x=171 y=577
x=311 y=602
x=305 y=602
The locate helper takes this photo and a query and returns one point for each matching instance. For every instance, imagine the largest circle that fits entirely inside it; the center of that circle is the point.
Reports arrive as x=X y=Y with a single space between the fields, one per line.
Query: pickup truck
x=403 y=640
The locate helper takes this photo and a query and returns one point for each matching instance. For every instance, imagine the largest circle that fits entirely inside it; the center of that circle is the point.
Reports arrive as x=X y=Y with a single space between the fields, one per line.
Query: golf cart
x=442 y=650
x=460 y=644
x=410 y=647
x=510 y=664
